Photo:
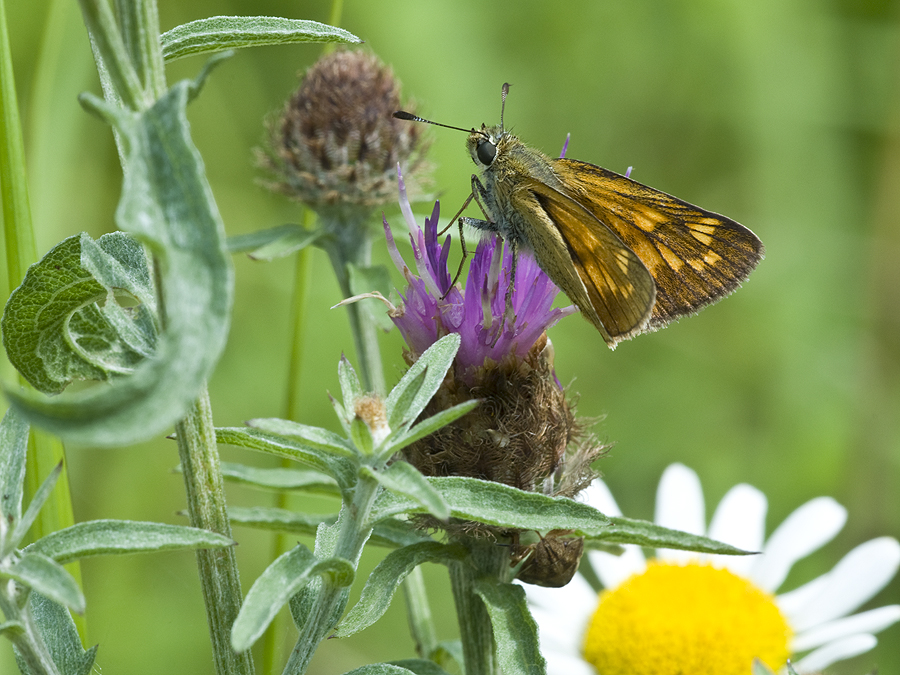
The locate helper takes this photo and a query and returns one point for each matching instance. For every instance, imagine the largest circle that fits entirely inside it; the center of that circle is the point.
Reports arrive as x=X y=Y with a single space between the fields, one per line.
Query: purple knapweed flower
x=432 y=307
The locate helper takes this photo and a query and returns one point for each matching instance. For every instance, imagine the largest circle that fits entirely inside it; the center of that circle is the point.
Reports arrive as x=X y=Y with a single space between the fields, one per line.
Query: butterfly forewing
x=694 y=256
x=613 y=288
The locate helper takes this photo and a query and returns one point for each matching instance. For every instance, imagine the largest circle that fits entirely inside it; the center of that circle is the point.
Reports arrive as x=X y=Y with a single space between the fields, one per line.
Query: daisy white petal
x=793 y=602
x=857 y=577
x=873 y=621
x=556 y=635
x=739 y=520
x=806 y=530
x=612 y=570
x=679 y=506
x=577 y=597
x=597 y=494
x=834 y=652
x=562 y=664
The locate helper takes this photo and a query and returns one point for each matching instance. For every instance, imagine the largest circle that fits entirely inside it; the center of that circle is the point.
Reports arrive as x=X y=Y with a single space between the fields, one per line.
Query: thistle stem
x=206 y=507
x=475 y=630
x=330 y=601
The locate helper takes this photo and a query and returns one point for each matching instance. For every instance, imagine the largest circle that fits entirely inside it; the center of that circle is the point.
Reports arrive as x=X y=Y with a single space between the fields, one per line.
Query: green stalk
x=330 y=601
x=476 y=634
x=350 y=243
x=219 y=575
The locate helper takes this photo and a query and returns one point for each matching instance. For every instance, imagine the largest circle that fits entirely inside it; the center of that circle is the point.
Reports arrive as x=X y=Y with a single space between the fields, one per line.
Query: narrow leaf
x=11 y=629
x=282 y=579
x=403 y=478
x=633 y=531
x=515 y=631
x=13 y=448
x=386 y=577
x=351 y=387
x=390 y=532
x=276 y=242
x=280 y=478
x=500 y=505
x=314 y=437
x=280 y=520
x=339 y=468
x=379 y=669
x=436 y=360
x=420 y=666
x=37 y=502
x=231 y=32
x=116 y=537
x=47 y=577
x=61 y=637
x=166 y=202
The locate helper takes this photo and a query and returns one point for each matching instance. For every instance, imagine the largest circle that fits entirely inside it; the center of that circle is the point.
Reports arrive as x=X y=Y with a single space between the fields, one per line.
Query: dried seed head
x=523 y=433
x=337 y=143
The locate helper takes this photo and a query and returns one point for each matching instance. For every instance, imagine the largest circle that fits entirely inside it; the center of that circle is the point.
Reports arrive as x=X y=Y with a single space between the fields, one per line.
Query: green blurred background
x=782 y=114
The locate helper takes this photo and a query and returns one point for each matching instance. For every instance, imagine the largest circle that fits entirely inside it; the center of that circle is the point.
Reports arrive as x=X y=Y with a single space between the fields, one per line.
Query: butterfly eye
x=486 y=152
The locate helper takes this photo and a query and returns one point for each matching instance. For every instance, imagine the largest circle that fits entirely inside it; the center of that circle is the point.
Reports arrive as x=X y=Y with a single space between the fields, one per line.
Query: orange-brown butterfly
x=630 y=257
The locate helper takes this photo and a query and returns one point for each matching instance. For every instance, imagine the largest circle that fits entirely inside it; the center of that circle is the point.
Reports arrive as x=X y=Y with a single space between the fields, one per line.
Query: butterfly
x=631 y=258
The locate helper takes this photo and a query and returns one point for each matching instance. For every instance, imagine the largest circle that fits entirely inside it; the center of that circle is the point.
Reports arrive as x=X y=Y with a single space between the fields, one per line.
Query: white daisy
x=691 y=613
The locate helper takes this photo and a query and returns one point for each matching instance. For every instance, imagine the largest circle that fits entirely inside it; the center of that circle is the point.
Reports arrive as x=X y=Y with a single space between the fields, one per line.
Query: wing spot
x=711 y=258
x=698 y=265
x=671 y=259
x=704 y=239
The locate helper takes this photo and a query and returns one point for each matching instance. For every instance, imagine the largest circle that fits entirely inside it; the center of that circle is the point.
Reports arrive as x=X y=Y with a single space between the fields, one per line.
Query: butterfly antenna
x=403 y=115
x=504 y=92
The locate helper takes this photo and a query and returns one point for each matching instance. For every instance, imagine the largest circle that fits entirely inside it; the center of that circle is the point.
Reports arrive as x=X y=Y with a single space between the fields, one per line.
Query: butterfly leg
x=462 y=239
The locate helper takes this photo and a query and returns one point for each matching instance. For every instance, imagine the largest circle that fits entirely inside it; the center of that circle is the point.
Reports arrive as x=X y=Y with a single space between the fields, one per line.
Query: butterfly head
x=484 y=145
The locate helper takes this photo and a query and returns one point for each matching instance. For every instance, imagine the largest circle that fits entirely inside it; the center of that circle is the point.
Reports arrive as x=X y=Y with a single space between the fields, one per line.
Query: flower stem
x=330 y=600
x=350 y=243
x=477 y=637
x=206 y=507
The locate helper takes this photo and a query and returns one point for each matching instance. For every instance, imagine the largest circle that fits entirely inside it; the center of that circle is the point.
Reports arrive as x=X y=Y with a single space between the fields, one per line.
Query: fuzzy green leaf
x=64 y=323
x=167 y=204
x=419 y=666
x=37 y=503
x=351 y=387
x=386 y=577
x=11 y=629
x=275 y=242
x=391 y=533
x=280 y=520
x=61 y=637
x=13 y=448
x=403 y=408
x=280 y=478
x=403 y=478
x=47 y=577
x=500 y=505
x=340 y=468
x=314 y=437
x=380 y=669
x=515 y=631
x=218 y=33
x=277 y=584
x=633 y=531
x=116 y=537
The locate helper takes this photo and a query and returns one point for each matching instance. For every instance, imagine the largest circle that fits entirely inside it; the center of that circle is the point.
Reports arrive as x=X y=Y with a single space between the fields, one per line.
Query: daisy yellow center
x=693 y=619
